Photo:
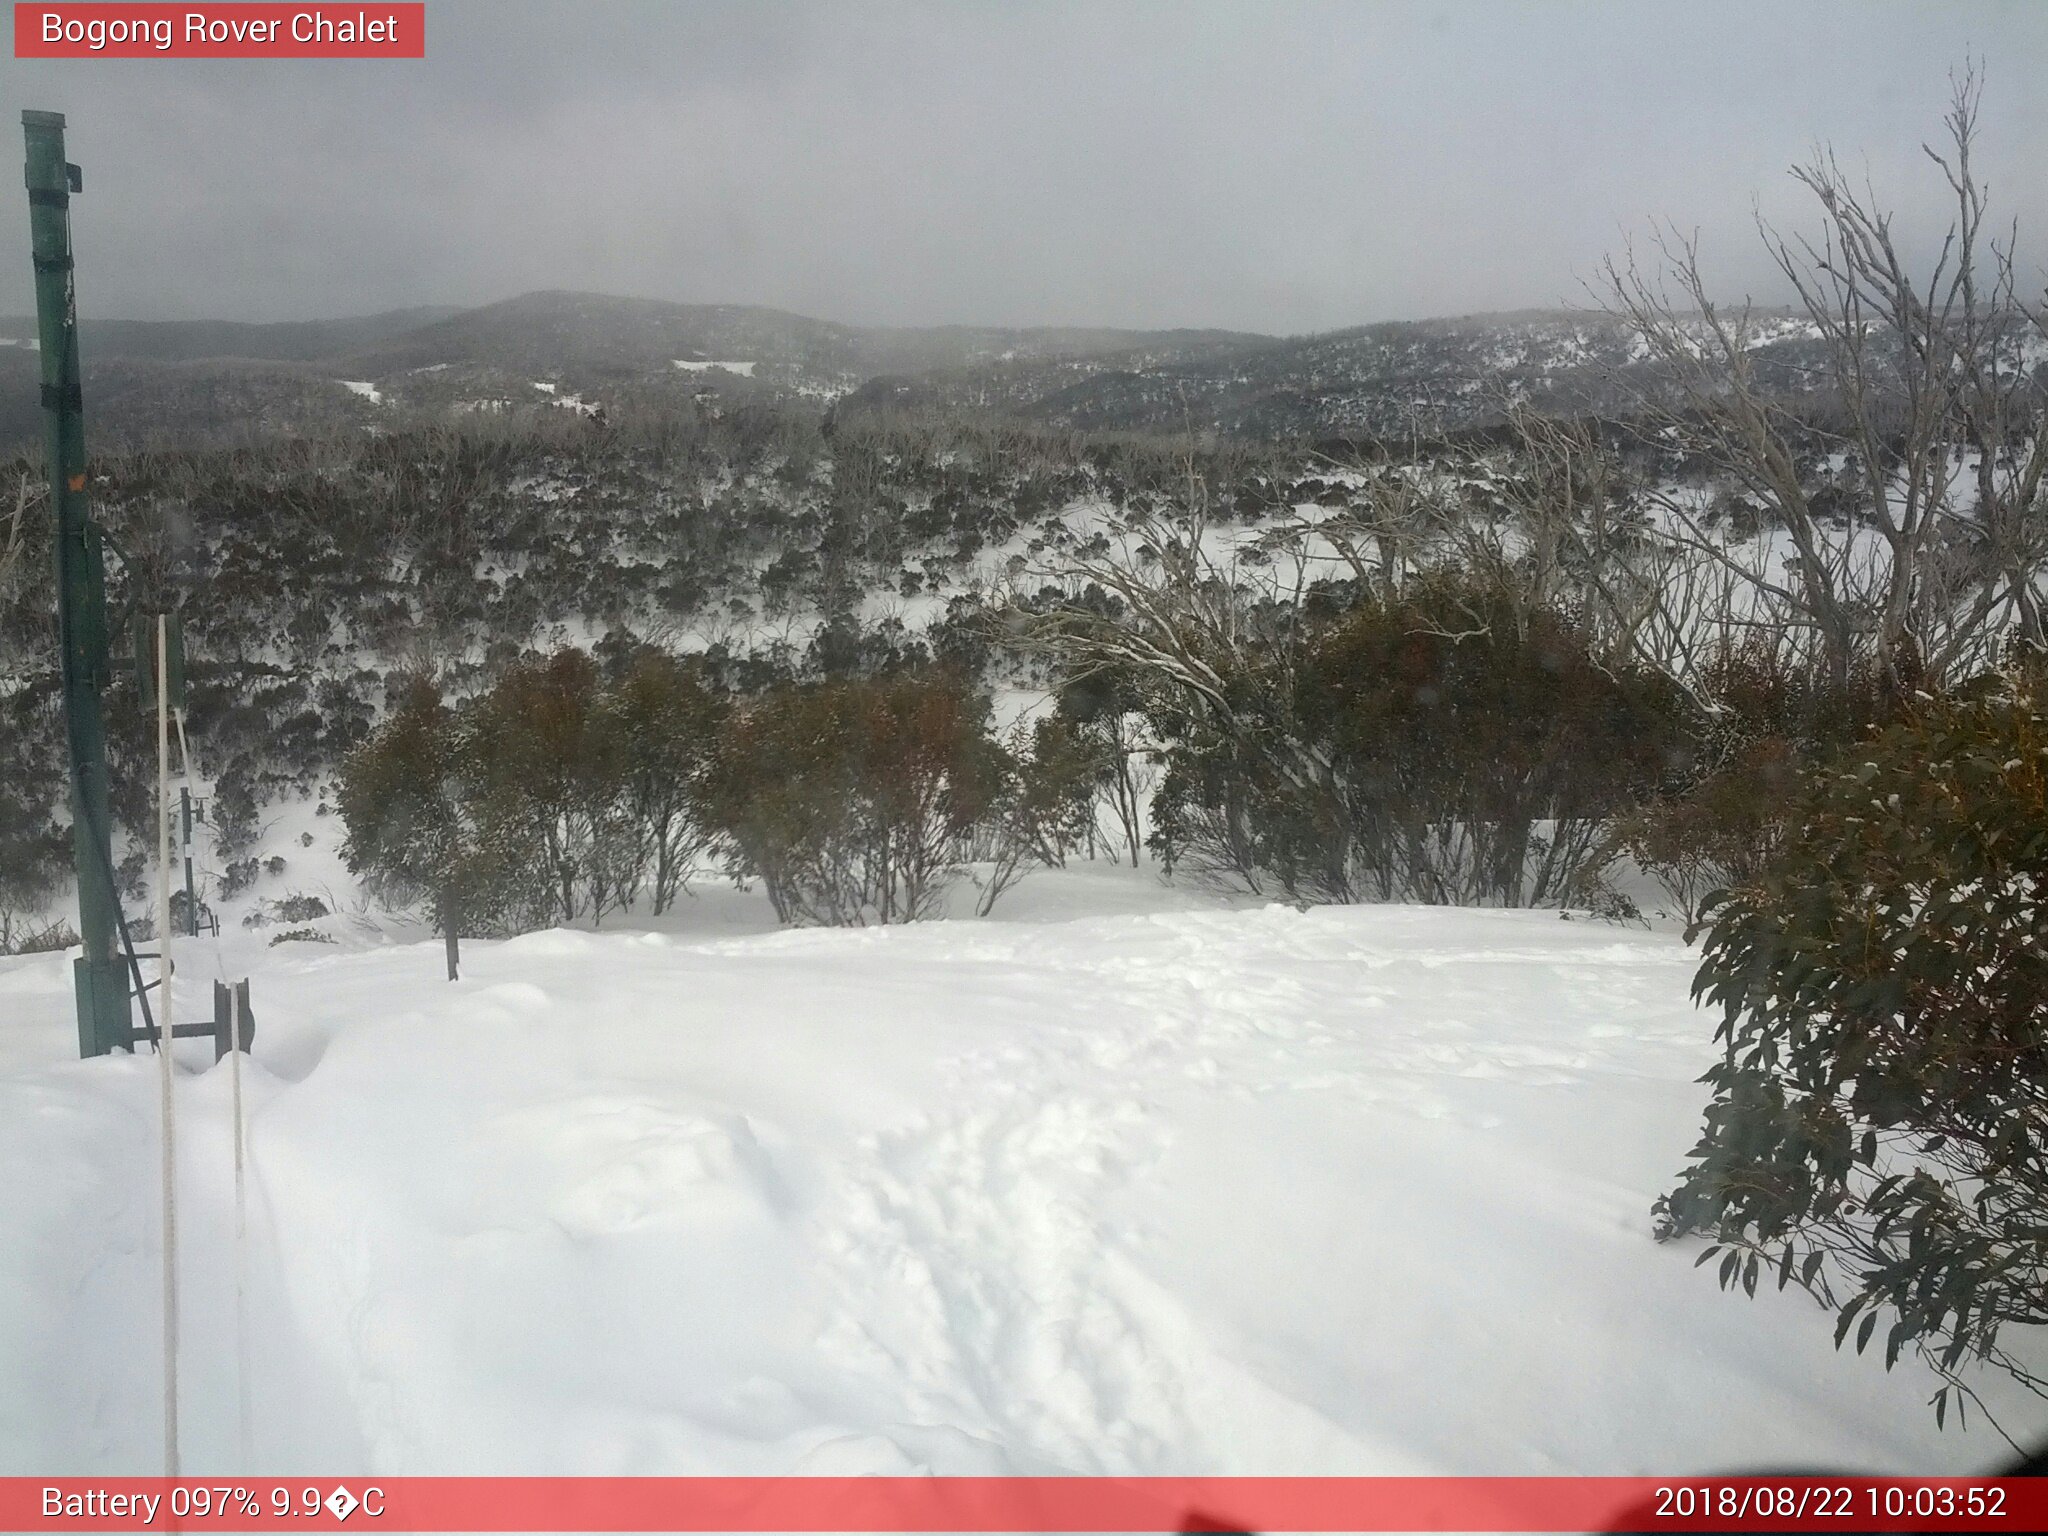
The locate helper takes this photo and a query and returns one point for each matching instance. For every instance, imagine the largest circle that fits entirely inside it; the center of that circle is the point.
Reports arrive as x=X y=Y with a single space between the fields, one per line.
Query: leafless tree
x=1402 y=515
x=1576 y=536
x=1927 y=549
x=1206 y=627
x=1186 y=623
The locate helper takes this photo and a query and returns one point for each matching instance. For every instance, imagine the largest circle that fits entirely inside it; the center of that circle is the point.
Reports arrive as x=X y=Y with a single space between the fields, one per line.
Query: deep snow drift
x=1356 y=1190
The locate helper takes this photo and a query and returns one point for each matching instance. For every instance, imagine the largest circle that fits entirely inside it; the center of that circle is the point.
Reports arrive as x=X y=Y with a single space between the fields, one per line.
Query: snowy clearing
x=1170 y=1188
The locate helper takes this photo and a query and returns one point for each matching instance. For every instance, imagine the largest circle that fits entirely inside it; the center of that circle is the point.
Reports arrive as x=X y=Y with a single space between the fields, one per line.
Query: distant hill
x=591 y=336
x=1375 y=379
x=586 y=338
x=193 y=380
x=185 y=380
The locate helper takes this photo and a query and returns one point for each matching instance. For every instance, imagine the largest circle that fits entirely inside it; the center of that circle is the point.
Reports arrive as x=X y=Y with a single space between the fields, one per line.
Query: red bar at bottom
x=1063 y=1504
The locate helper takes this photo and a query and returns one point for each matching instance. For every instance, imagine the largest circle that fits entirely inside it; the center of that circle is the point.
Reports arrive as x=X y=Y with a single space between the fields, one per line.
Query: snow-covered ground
x=1123 y=1181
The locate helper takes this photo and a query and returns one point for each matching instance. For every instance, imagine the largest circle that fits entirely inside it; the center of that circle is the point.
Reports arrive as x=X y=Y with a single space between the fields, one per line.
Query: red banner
x=1052 y=1504
x=319 y=31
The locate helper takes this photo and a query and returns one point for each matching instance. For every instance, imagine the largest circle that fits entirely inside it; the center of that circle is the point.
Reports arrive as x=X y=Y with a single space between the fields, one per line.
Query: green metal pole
x=100 y=974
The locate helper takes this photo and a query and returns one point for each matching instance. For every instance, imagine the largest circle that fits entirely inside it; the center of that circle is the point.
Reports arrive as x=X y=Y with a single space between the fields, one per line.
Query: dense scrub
x=1449 y=747
x=850 y=799
x=569 y=789
x=1763 y=727
x=314 y=573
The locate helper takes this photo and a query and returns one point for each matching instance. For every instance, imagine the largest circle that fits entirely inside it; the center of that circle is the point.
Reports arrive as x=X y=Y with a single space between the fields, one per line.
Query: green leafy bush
x=661 y=719
x=1448 y=743
x=415 y=832
x=546 y=764
x=849 y=799
x=1878 y=1133
x=1758 y=726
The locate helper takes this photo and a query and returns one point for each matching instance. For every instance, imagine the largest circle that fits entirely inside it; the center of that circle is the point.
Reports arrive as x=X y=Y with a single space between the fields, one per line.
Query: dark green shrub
x=1877 y=1133
x=662 y=718
x=848 y=799
x=414 y=833
x=546 y=765
x=300 y=936
x=1100 y=716
x=1760 y=725
x=1448 y=744
x=1063 y=772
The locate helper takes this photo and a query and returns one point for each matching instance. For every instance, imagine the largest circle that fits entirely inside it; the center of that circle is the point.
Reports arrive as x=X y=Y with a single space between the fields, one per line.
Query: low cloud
x=1261 y=165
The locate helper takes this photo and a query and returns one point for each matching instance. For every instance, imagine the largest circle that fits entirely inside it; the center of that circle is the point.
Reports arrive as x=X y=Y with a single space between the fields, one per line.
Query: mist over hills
x=278 y=341
x=599 y=334
x=209 y=380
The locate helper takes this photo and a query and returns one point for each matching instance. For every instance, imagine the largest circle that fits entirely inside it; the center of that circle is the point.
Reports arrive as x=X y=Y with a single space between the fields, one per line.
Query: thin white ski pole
x=163 y=1039
x=242 y=1398
x=243 y=1411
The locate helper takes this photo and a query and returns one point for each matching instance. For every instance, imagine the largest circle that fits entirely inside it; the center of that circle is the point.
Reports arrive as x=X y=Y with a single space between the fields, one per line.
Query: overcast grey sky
x=1257 y=164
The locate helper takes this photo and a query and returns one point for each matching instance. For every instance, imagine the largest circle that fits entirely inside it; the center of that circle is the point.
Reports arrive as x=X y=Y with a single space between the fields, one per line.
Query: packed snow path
x=1353 y=1190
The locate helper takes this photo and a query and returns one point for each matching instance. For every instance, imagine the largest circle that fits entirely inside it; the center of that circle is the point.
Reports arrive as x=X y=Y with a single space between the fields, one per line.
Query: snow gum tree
x=549 y=760
x=1922 y=543
x=665 y=719
x=1480 y=748
x=412 y=831
x=849 y=799
x=1770 y=722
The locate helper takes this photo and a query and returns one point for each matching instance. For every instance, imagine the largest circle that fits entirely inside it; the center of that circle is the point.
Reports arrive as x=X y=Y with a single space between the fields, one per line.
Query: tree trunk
x=451 y=933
